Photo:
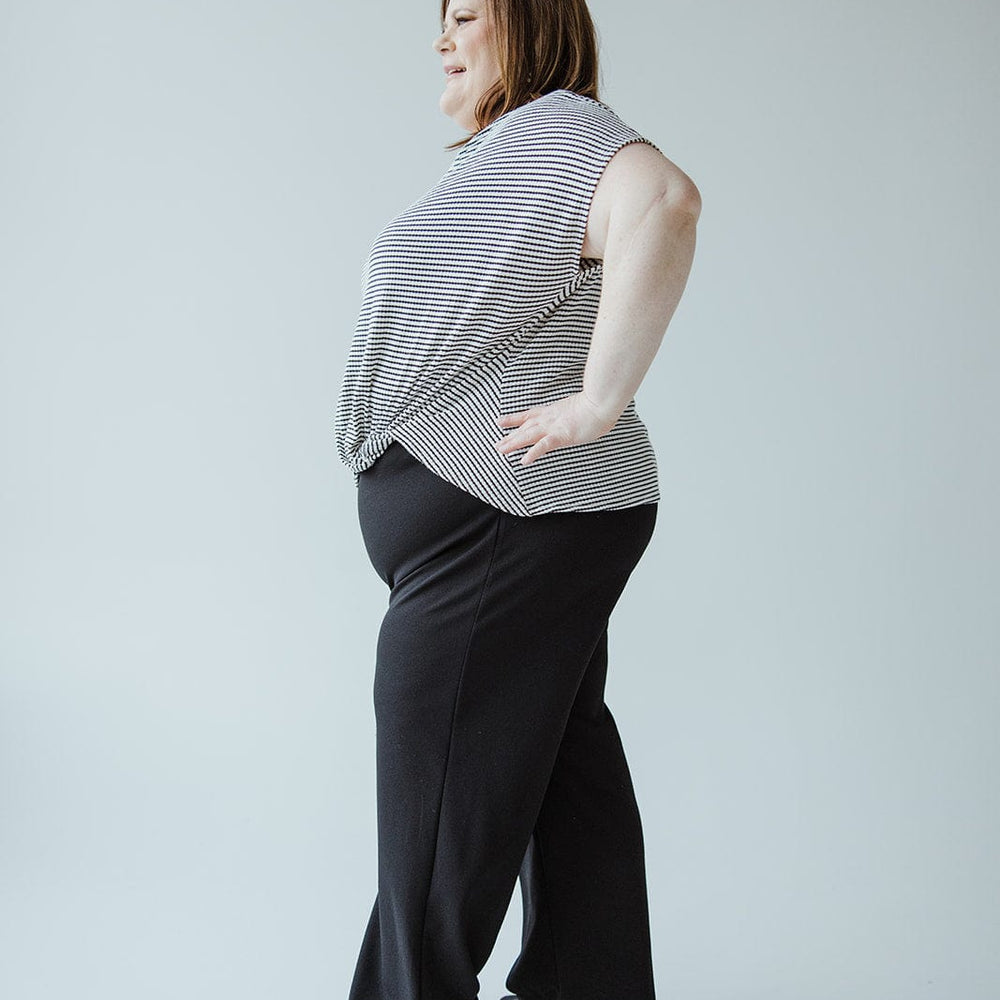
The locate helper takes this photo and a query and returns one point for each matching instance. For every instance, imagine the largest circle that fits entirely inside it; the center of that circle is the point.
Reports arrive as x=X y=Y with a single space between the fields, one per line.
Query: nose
x=442 y=42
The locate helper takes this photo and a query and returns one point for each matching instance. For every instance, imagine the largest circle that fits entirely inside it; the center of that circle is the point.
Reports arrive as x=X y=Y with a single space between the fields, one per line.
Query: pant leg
x=492 y=623
x=585 y=932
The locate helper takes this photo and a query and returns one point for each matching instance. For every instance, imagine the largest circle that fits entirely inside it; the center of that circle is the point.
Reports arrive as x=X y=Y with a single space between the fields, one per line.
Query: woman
x=506 y=490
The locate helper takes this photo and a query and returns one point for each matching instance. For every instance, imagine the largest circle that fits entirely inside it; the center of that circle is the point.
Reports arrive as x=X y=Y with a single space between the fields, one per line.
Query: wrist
x=608 y=410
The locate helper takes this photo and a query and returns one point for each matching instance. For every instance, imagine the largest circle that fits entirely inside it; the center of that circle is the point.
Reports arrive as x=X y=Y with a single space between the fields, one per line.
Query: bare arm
x=643 y=222
x=642 y=225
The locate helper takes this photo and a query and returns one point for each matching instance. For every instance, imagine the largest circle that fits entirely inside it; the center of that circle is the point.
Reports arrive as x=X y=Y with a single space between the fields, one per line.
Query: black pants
x=495 y=752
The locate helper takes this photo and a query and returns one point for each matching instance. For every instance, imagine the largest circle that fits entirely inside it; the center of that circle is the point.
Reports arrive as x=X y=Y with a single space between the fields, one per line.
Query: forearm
x=644 y=274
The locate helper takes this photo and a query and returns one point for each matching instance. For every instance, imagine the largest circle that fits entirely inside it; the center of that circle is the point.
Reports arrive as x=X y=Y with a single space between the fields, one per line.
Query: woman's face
x=467 y=42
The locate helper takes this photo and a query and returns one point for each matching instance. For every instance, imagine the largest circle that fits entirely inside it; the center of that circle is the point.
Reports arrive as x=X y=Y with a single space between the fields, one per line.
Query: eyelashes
x=458 y=20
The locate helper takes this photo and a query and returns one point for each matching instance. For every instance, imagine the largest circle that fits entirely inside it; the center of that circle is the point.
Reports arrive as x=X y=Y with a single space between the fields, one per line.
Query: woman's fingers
x=511 y=419
x=535 y=438
x=530 y=426
x=520 y=438
x=541 y=447
x=568 y=421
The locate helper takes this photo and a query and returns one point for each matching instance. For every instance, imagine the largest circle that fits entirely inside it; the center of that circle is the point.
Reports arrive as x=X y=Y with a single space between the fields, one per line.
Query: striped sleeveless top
x=477 y=302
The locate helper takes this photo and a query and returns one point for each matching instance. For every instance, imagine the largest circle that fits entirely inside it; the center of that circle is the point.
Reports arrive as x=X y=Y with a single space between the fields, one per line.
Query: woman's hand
x=574 y=419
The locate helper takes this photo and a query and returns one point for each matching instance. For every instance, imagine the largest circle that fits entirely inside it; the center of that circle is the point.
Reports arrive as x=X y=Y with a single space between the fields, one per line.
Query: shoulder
x=566 y=122
x=561 y=138
x=569 y=112
x=637 y=162
x=640 y=170
x=584 y=129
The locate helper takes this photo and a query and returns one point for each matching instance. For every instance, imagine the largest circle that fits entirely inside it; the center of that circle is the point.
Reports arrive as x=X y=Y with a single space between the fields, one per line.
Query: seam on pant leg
x=539 y=850
x=451 y=734
x=550 y=919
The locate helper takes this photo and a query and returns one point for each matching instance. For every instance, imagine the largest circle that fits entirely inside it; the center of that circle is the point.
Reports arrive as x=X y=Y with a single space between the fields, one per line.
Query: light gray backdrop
x=805 y=664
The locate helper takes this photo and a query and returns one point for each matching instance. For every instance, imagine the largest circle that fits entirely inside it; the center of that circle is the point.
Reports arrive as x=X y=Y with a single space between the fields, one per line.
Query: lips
x=453 y=70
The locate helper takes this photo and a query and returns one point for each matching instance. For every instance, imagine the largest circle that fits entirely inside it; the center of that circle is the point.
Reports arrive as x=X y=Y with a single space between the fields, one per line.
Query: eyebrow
x=456 y=11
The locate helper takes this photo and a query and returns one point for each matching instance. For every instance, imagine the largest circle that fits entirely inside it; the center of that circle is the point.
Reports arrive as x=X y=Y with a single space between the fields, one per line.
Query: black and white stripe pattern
x=476 y=303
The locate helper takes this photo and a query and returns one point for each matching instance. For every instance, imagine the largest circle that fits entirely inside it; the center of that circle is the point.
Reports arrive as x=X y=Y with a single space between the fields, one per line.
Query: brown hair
x=542 y=45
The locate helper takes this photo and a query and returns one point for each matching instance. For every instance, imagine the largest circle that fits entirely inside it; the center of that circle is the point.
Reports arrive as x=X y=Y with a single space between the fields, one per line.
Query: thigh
x=512 y=607
x=481 y=657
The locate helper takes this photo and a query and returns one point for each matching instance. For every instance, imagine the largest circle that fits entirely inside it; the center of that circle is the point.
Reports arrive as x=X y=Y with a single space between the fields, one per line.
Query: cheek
x=481 y=49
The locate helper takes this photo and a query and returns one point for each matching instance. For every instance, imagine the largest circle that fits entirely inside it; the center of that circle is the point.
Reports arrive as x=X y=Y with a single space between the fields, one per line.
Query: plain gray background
x=805 y=663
